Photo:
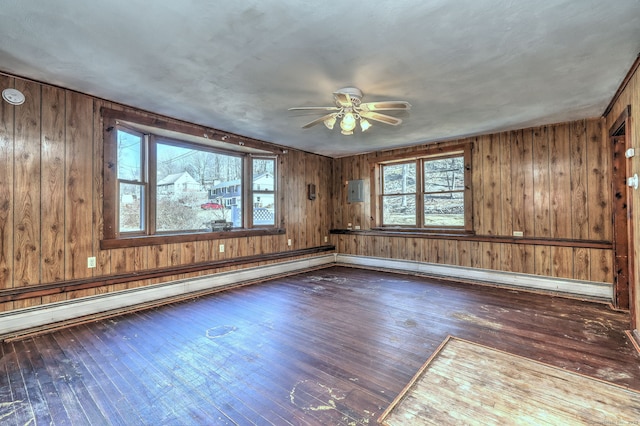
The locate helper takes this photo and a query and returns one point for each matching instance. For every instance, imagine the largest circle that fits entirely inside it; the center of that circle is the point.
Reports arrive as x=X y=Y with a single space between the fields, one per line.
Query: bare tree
x=200 y=166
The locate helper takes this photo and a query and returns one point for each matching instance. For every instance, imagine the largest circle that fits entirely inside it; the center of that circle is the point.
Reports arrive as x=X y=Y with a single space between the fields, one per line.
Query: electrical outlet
x=289 y=242
x=91 y=262
x=221 y=248
x=326 y=239
x=518 y=233
x=357 y=226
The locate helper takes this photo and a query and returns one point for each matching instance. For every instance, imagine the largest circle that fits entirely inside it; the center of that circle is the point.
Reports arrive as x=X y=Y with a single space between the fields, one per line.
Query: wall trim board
x=464 y=236
x=29 y=318
x=597 y=291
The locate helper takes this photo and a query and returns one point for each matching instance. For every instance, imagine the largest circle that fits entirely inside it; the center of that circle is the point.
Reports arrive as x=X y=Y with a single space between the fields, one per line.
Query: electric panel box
x=355 y=191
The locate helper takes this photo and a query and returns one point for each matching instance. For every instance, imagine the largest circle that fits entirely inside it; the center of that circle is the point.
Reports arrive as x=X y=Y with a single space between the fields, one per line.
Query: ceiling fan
x=350 y=110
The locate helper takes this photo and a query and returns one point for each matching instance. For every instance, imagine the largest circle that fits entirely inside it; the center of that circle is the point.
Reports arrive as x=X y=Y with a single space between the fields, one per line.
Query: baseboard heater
x=592 y=290
x=14 y=323
x=44 y=317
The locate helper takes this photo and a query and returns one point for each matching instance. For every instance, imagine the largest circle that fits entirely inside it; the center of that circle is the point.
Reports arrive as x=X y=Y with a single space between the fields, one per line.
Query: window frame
x=261 y=192
x=418 y=158
x=154 y=131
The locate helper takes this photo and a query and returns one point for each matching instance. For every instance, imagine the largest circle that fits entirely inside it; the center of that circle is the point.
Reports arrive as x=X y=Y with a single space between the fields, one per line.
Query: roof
x=236 y=182
x=171 y=179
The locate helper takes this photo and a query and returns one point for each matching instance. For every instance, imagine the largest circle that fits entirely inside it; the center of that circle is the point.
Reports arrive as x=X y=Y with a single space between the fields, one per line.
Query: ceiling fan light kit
x=350 y=110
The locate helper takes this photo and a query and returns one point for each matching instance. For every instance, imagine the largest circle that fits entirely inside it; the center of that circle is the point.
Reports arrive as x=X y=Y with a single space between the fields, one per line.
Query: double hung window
x=430 y=191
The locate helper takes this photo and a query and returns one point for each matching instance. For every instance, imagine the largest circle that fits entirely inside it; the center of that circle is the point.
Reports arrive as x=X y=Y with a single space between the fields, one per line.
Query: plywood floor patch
x=467 y=383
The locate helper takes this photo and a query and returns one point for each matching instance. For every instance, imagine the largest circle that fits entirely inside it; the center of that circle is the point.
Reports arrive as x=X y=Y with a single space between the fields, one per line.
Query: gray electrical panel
x=355 y=191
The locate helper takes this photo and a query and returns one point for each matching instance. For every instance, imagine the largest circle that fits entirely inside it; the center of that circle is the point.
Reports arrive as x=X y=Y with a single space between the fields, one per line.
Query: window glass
x=131 y=214
x=129 y=156
x=444 y=175
x=399 y=210
x=195 y=188
x=264 y=185
x=444 y=192
x=445 y=209
x=399 y=178
x=263 y=177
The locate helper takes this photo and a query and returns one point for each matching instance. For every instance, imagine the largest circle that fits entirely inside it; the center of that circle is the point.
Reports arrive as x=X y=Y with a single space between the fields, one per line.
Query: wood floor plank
x=63 y=378
x=9 y=405
x=239 y=381
x=128 y=393
x=19 y=403
x=332 y=346
x=308 y=363
x=37 y=383
x=206 y=358
x=107 y=397
x=170 y=402
x=172 y=362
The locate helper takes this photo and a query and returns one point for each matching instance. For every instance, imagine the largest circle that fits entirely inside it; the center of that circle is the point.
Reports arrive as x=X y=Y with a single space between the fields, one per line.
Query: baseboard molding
x=585 y=289
x=37 y=316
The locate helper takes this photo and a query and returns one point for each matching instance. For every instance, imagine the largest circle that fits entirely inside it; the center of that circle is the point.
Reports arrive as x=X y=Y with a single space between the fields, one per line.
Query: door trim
x=623 y=297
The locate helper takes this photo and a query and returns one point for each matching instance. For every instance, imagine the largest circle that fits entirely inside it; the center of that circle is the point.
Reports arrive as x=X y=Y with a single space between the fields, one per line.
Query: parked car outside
x=211 y=206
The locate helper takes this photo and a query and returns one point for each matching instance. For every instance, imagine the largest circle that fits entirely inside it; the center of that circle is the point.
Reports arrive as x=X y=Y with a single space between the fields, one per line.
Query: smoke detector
x=13 y=96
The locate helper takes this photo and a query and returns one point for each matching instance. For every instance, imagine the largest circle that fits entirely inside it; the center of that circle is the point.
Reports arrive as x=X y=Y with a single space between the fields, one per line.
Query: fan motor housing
x=351 y=91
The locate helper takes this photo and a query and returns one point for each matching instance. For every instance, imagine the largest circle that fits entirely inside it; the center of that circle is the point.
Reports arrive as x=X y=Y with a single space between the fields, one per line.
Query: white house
x=178 y=184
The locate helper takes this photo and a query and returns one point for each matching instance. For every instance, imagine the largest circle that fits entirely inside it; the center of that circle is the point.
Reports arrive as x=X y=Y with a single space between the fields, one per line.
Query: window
x=264 y=185
x=430 y=192
x=166 y=185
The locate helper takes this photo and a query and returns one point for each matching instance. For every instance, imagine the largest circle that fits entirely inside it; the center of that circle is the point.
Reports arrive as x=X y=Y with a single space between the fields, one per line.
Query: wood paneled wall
x=551 y=182
x=631 y=96
x=51 y=200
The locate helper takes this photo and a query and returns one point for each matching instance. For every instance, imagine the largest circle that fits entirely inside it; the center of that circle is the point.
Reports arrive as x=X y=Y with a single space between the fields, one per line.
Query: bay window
x=160 y=183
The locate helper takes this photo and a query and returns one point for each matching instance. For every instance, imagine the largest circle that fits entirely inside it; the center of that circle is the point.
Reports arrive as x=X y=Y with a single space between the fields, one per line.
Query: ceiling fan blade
x=318 y=120
x=385 y=106
x=387 y=119
x=328 y=108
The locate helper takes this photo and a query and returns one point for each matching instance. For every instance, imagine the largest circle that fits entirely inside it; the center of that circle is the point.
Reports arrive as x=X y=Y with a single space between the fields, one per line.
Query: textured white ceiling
x=466 y=66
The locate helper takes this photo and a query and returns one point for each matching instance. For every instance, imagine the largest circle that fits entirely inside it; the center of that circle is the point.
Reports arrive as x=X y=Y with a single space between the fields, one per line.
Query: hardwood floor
x=328 y=347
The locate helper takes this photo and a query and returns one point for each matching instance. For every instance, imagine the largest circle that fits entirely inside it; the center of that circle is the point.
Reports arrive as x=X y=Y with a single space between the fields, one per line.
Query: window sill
x=442 y=230
x=435 y=232
x=184 y=238
x=460 y=235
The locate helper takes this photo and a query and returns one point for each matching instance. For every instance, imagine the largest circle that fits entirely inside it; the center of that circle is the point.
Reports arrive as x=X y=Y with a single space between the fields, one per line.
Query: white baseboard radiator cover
x=59 y=312
x=587 y=289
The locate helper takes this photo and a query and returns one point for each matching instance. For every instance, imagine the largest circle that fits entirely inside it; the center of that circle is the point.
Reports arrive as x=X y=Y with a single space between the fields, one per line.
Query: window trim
x=260 y=192
x=194 y=135
x=433 y=153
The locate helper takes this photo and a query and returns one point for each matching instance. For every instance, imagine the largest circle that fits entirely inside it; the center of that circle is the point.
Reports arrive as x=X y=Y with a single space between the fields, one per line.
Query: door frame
x=622 y=214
